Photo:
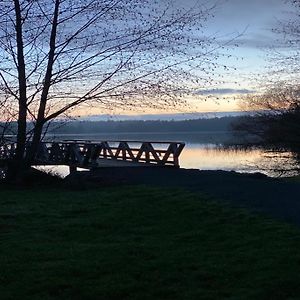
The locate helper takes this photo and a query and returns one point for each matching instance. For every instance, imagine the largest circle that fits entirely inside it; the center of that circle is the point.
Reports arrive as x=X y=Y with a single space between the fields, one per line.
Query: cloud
x=225 y=91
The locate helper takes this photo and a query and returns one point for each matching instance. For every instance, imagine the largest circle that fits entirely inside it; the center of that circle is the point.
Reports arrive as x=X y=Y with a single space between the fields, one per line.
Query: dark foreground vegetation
x=275 y=130
x=140 y=243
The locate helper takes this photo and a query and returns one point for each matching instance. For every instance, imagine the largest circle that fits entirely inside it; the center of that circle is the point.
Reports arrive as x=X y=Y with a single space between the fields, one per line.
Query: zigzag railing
x=89 y=154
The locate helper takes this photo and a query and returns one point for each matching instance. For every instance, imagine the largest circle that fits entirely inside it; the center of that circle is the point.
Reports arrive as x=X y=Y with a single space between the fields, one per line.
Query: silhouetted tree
x=277 y=118
x=285 y=58
x=60 y=54
x=278 y=106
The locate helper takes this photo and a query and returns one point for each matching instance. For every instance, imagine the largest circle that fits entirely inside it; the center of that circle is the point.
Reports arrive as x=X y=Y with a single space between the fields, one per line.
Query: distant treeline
x=82 y=127
x=215 y=124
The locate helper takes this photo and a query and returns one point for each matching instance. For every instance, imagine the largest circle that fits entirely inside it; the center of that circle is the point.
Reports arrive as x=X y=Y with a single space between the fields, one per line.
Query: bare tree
x=276 y=121
x=285 y=56
x=277 y=106
x=60 y=54
x=277 y=99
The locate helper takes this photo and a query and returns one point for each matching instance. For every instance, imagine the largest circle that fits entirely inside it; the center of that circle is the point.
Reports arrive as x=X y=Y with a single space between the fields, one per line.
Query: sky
x=247 y=24
x=255 y=20
x=251 y=22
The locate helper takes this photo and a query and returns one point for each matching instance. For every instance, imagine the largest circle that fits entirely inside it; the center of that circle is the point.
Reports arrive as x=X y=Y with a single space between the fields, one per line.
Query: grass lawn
x=141 y=243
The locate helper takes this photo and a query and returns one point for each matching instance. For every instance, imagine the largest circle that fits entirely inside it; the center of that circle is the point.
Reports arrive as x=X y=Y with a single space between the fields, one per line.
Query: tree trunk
x=19 y=163
x=38 y=128
x=34 y=145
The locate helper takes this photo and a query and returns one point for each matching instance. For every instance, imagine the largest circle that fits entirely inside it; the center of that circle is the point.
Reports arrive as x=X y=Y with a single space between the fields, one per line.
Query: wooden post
x=72 y=169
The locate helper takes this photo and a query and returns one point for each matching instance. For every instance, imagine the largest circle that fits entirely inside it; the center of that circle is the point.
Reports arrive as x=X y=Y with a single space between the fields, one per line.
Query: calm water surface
x=215 y=157
x=204 y=151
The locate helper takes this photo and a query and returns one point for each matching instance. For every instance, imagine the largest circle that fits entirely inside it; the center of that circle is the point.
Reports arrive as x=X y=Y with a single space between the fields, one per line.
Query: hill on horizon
x=163 y=116
x=197 y=125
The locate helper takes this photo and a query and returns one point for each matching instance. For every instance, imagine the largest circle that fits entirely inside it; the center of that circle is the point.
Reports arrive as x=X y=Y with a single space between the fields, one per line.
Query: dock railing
x=90 y=154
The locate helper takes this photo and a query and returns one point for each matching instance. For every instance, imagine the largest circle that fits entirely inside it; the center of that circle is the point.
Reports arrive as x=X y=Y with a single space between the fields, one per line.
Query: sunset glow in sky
x=140 y=57
x=251 y=22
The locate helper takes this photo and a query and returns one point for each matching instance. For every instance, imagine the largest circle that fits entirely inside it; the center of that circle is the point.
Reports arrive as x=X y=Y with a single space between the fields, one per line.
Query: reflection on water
x=213 y=157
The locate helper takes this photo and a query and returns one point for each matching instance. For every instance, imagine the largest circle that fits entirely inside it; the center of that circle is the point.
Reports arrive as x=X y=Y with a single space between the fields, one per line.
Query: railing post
x=72 y=169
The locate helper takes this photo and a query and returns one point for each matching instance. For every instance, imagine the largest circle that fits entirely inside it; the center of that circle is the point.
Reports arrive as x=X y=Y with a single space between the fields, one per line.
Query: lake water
x=205 y=151
x=215 y=157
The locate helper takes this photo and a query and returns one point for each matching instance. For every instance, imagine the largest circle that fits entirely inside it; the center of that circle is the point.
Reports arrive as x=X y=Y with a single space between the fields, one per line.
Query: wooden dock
x=95 y=154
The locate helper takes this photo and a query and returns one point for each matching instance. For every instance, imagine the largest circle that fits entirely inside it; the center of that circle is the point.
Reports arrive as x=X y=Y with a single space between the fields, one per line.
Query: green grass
x=141 y=243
